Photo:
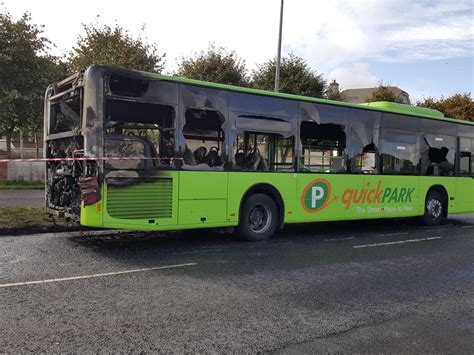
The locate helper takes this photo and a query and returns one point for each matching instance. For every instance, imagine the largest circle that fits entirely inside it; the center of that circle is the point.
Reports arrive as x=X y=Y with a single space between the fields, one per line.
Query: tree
x=26 y=69
x=460 y=106
x=217 y=65
x=296 y=77
x=384 y=93
x=103 y=44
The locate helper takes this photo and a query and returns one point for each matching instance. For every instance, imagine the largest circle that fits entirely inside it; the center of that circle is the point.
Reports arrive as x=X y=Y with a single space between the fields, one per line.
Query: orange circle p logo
x=315 y=196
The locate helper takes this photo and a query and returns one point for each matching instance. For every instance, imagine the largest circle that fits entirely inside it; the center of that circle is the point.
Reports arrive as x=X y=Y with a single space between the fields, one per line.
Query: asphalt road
x=374 y=286
x=21 y=198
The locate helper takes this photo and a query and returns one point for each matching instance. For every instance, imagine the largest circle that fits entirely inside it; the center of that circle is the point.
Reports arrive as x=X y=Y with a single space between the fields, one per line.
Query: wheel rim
x=260 y=219
x=434 y=208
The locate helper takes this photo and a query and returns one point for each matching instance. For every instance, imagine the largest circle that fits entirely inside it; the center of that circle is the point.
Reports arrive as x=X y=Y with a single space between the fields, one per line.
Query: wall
x=26 y=171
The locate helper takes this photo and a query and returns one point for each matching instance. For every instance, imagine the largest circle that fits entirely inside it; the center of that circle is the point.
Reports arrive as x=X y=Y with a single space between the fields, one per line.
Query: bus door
x=465 y=181
x=394 y=192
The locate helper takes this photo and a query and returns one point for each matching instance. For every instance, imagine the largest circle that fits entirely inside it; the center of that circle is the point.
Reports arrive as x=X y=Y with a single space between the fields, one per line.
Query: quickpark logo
x=317 y=195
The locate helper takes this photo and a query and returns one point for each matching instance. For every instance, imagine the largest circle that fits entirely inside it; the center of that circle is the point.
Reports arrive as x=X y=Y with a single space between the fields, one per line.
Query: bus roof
x=377 y=106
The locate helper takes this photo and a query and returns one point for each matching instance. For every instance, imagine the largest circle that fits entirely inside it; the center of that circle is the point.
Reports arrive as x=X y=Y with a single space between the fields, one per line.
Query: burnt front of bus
x=112 y=128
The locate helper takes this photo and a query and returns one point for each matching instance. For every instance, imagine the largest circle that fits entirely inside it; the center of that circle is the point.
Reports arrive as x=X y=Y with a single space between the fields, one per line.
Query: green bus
x=143 y=151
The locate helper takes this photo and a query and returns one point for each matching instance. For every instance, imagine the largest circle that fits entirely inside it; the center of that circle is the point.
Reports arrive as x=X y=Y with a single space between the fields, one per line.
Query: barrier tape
x=82 y=159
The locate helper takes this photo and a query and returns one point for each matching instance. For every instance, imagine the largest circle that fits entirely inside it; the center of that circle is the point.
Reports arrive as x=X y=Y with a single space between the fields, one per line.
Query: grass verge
x=25 y=220
x=21 y=186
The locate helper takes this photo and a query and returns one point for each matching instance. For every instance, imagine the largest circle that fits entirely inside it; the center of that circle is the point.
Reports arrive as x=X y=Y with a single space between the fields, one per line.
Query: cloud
x=341 y=32
x=356 y=75
x=329 y=34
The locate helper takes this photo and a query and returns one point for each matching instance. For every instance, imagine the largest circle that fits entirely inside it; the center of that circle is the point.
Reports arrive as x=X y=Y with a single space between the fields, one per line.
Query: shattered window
x=438 y=155
x=324 y=130
x=66 y=115
x=204 y=138
x=323 y=147
x=364 y=142
x=141 y=133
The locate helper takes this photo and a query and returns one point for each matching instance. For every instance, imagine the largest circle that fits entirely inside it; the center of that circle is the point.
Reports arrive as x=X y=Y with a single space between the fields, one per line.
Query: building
x=359 y=96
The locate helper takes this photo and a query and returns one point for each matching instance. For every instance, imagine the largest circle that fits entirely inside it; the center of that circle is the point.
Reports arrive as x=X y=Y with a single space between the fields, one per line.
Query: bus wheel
x=259 y=218
x=434 y=208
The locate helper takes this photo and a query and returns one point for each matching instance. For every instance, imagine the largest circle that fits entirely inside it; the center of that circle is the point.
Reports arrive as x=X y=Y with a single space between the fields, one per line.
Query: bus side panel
x=448 y=182
x=464 y=201
x=394 y=196
x=356 y=197
x=320 y=196
x=202 y=197
x=144 y=205
x=241 y=182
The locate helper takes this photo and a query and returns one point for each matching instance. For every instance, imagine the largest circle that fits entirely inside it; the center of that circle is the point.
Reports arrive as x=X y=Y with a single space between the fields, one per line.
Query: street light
x=277 y=70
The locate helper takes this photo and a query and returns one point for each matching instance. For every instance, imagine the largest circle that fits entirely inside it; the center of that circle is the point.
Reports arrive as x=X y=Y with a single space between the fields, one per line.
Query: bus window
x=365 y=128
x=438 y=154
x=204 y=139
x=263 y=152
x=323 y=131
x=262 y=105
x=465 y=157
x=399 y=153
x=284 y=154
x=65 y=115
x=139 y=130
x=395 y=121
x=323 y=147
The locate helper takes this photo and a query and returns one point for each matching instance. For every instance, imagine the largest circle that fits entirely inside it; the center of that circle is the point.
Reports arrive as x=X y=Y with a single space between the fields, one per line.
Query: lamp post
x=277 y=70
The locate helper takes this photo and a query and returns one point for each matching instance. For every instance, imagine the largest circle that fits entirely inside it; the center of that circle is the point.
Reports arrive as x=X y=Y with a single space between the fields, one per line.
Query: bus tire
x=434 y=208
x=258 y=219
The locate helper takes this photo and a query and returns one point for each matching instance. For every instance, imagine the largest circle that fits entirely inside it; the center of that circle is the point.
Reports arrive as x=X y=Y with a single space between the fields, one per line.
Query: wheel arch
x=270 y=191
x=442 y=190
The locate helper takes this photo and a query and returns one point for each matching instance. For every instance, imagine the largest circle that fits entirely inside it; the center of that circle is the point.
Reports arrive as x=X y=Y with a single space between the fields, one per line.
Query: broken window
x=438 y=153
x=141 y=133
x=323 y=133
x=66 y=114
x=204 y=138
x=364 y=142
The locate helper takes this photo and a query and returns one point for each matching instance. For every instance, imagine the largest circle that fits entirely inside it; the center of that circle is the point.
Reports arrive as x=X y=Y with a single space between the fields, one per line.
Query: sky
x=425 y=47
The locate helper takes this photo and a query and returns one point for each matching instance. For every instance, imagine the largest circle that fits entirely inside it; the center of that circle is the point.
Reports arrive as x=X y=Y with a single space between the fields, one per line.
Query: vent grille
x=141 y=201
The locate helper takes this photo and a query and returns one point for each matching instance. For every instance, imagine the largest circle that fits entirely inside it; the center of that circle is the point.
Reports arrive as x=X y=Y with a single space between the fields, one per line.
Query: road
x=370 y=286
x=21 y=198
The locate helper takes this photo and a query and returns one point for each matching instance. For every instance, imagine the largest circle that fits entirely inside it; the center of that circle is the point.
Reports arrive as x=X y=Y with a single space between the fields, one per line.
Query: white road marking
x=211 y=250
x=467 y=226
x=337 y=239
x=391 y=234
x=392 y=243
x=95 y=275
x=436 y=229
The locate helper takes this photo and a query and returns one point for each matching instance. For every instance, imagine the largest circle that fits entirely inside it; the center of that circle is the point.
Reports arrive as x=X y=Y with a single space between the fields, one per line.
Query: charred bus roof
x=373 y=106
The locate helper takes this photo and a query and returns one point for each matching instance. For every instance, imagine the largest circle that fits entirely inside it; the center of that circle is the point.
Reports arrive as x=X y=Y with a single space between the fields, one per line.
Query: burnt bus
x=94 y=118
x=144 y=151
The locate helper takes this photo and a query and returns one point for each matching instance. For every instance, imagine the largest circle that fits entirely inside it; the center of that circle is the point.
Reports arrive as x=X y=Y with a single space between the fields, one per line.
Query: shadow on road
x=152 y=245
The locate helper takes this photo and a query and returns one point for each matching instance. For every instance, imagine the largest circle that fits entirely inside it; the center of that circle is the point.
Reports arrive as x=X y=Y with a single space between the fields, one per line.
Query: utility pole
x=277 y=70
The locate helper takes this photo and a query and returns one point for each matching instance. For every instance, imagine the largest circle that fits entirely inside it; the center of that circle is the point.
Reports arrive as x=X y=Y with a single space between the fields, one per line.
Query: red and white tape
x=81 y=159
